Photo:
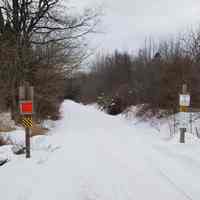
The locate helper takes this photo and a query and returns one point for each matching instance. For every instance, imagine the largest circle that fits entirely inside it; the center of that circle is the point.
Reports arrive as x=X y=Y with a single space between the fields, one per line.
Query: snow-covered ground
x=89 y=155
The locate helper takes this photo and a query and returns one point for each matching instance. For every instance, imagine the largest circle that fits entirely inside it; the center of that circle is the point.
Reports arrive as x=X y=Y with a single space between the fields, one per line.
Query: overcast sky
x=128 y=22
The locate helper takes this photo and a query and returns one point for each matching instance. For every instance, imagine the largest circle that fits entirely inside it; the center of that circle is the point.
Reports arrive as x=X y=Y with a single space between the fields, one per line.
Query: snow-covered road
x=93 y=156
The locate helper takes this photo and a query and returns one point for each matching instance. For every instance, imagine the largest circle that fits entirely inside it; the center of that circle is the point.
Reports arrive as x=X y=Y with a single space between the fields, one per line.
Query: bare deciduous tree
x=40 y=33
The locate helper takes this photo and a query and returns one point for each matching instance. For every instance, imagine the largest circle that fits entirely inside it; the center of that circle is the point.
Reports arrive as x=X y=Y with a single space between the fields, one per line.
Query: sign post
x=184 y=102
x=26 y=94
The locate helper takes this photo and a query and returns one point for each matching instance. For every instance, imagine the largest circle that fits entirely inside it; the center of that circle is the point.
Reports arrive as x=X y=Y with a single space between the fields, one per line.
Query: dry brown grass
x=35 y=130
x=5 y=130
x=38 y=130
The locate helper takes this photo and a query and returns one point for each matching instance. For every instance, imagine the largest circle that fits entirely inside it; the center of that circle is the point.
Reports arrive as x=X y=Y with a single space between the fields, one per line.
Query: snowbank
x=89 y=155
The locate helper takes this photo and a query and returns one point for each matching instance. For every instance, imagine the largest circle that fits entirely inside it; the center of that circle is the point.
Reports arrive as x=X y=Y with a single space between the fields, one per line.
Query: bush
x=104 y=101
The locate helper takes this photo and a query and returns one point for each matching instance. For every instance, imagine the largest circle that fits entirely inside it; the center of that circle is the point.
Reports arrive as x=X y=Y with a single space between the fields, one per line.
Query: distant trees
x=152 y=78
x=111 y=76
x=40 y=42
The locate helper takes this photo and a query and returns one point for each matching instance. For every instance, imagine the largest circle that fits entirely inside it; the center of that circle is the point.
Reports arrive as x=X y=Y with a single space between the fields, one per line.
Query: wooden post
x=183 y=130
x=27 y=132
x=28 y=144
x=184 y=89
x=26 y=93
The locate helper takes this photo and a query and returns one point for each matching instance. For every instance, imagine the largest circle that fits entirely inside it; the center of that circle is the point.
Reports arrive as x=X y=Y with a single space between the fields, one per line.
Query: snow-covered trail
x=93 y=156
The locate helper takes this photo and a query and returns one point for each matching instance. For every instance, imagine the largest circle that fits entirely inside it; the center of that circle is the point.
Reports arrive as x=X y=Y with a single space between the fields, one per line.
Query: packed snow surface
x=89 y=155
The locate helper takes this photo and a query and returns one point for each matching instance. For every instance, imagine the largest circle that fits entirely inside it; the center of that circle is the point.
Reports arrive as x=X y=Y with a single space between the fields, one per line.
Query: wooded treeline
x=41 y=42
x=152 y=78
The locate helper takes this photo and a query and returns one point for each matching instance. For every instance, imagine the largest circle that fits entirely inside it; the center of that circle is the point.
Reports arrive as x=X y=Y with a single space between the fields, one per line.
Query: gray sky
x=128 y=22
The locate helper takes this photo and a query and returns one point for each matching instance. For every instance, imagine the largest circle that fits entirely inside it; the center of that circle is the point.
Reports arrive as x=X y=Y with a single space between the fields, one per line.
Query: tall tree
x=41 y=33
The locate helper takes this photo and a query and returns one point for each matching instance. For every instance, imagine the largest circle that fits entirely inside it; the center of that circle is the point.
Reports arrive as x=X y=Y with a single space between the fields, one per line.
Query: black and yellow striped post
x=27 y=121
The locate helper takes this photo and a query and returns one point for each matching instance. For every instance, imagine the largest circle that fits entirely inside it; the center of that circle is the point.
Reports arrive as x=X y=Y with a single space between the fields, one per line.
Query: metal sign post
x=26 y=94
x=184 y=102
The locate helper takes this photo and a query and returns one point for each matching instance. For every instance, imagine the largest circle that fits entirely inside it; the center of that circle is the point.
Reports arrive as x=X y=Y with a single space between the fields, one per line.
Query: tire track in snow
x=180 y=190
x=154 y=163
x=160 y=171
x=184 y=159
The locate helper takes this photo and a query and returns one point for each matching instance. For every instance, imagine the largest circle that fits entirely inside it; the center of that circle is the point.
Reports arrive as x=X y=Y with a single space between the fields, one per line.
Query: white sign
x=184 y=100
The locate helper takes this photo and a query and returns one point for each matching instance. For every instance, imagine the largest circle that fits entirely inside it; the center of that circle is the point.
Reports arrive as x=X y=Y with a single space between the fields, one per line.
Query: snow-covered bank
x=89 y=155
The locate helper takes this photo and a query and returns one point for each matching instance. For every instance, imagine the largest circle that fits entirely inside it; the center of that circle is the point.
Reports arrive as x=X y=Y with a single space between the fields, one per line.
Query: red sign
x=26 y=107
